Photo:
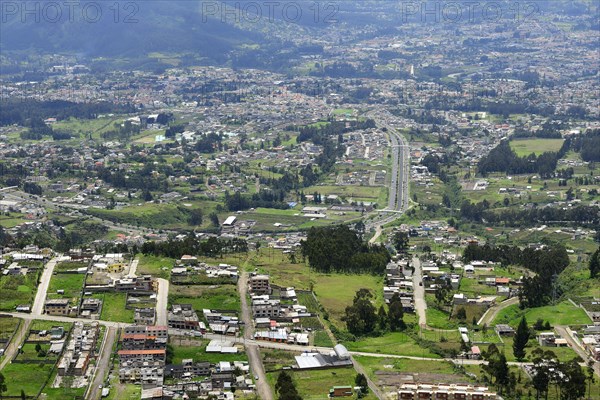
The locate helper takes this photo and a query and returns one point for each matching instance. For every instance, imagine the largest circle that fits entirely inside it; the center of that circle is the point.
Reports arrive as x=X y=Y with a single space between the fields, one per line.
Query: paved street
x=103 y=365
x=252 y=350
x=162 y=300
x=419 y=292
x=40 y=296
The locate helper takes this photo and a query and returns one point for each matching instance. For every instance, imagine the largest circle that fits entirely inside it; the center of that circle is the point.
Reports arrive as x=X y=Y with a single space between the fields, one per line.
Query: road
x=133 y=268
x=252 y=350
x=576 y=345
x=162 y=300
x=16 y=341
x=40 y=296
x=103 y=364
x=491 y=313
x=419 y=292
x=374 y=389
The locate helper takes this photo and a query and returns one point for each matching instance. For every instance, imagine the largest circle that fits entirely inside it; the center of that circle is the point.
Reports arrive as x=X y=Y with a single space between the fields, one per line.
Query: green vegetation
x=113 y=307
x=223 y=297
x=30 y=378
x=17 y=289
x=8 y=326
x=72 y=284
x=196 y=350
x=158 y=267
x=525 y=147
x=399 y=343
x=564 y=313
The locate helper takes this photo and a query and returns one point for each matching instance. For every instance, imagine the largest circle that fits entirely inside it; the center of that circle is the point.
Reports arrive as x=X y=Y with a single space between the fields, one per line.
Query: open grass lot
x=27 y=377
x=563 y=313
x=439 y=319
x=62 y=393
x=11 y=220
x=215 y=297
x=159 y=267
x=313 y=385
x=524 y=147
x=113 y=307
x=391 y=343
x=39 y=325
x=196 y=350
x=28 y=352
x=563 y=353
x=336 y=292
x=72 y=284
x=8 y=326
x=356 y=193
x=281 y=270
x=69 y=265
x=17 y=289
x=322 y=339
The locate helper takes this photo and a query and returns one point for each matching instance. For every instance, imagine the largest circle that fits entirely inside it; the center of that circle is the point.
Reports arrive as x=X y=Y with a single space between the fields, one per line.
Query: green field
x=158 y=267
x=398 y=343
x=113 y=307
x=313 y=385
x=563 y=313
x=524 y=147
x=11 y=220
x=17 y=289
x=8 y=326
x=72 y=284
x=215 y=297
x=196 y=350
x=27 y=377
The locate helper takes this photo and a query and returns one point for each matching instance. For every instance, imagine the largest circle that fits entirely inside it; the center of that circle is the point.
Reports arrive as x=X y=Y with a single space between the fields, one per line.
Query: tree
x=195 y=217
x=461 y=314
x=360 y=317
x=540 y=375
x=400 y=242
x=521 y=339
x=396 y=313
x=382 y=318
x=285 y=387
x=590 y=376
x=361 y=381
x=214 y=219
x=595 y=264
x=2 y=385
x=572 y=385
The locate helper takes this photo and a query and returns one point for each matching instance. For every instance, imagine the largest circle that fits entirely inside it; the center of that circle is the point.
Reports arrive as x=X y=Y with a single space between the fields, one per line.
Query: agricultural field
x=17 y=289
x=30 y=378
x=525 y=147
x=8 y=326
x=398 y=343
x=11 y=220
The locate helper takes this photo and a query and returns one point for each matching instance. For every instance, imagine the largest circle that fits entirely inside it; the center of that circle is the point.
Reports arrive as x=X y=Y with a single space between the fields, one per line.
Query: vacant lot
x=398 y=343
x=27 y=377
x=113 y=307
x=215 y=297
x=17 y=289
x=313 y=385
x=563 y=313
x=72 y=284
x=159 y=267
x=8 y=326
x=524 y=147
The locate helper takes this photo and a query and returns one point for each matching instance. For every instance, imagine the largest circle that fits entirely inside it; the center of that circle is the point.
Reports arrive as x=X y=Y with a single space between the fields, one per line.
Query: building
x=144 y=316
x=183 y=316
x=426 y=391
x=505 y=330
x=259 y=284
x=57 y=307
x=270 y=308
x=340 y=391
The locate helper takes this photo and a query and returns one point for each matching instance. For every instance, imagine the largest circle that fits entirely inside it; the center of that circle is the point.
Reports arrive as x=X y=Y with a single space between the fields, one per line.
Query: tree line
x=546 y=262
x=340 y=249
x=361 y=317
x=190 y=245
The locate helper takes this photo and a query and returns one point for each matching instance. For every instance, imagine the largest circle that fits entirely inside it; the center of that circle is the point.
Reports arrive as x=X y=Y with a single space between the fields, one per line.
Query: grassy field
x=11 y=220
x=563 y=313
x=8 y=326
x=72 y=284
x=336 y=292
x=313 y=385
x=216 y=297
x=321 y=339
x=196 y=350
x=398 y=343
x=27 y=377
x=17 y=289
x=113 y=307
x=524 y=147
x=158 y=267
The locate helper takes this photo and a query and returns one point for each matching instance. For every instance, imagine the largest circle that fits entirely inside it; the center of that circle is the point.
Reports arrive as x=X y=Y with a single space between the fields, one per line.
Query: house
x=340 y=391
x=259 y=284
x=144 y=316
x=57 y=307
x=183 y=316
x=418 y=391
x=505 y=330
x=270 y=308
x=90 y=307
x=459 y=298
